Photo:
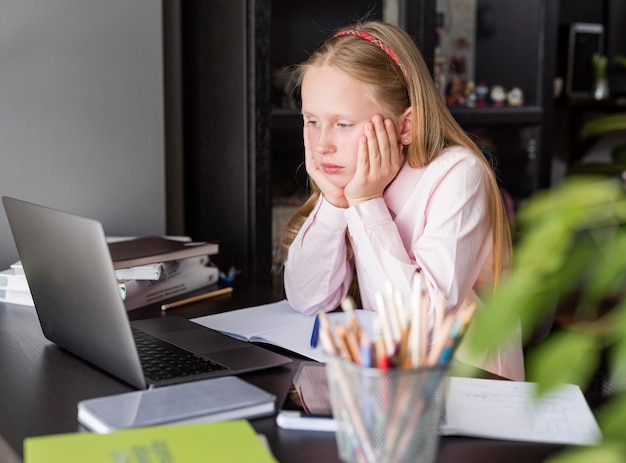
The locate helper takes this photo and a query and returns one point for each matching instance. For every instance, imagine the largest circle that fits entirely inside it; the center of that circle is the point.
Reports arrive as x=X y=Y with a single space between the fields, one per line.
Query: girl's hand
x=332 y=193
x=380 y=158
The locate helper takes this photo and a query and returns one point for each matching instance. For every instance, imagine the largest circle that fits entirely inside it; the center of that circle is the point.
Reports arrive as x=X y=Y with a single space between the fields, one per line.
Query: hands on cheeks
x=379 y=159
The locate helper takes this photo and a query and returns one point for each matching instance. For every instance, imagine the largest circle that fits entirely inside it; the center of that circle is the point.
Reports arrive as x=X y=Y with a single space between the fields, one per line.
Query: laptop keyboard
x=161 y=360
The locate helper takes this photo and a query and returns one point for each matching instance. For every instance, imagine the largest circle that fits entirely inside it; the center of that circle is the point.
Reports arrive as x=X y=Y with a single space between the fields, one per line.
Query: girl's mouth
x=330 y=168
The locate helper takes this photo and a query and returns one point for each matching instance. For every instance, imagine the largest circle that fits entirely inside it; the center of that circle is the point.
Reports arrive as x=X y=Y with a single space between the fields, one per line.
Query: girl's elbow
x=300 y=305
x=309 y=305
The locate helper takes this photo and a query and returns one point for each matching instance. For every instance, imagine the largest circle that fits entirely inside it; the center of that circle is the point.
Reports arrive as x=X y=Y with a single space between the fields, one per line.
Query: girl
x=397 y=186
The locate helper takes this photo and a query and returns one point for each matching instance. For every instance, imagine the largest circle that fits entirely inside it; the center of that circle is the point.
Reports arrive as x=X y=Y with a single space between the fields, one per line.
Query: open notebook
x=280 y=325
x=476 y=407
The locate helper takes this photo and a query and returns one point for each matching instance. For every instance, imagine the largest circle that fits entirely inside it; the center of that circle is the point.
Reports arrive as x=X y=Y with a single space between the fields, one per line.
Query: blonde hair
x=396 y=88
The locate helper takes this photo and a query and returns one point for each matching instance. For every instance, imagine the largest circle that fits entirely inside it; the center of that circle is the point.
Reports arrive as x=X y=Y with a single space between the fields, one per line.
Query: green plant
x=571 y=247
x=599 y=63
x=620 y=60
x=602 y=125
x=591 y=132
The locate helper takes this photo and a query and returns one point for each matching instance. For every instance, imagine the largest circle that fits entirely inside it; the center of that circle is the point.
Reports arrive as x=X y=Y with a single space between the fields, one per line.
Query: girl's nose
x=324 y=143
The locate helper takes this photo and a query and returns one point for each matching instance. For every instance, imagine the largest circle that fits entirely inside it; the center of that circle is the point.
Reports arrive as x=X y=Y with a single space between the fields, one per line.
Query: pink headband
x=379 y=43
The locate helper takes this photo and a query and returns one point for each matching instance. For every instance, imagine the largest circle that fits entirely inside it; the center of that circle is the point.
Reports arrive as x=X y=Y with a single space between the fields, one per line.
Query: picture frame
x=585 y=39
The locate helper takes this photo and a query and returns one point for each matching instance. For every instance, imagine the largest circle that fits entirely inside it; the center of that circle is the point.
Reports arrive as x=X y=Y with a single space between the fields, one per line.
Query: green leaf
x=565 y=357
x=620 y=60
x=609 y=169
x=610 y=262
x=604 y=124
x=577 y=192
x=605 y=270
x=616 y=353
x=531 y=252
x=612 y=418
x=571 y=249
x=494 y=321
x=598 y=454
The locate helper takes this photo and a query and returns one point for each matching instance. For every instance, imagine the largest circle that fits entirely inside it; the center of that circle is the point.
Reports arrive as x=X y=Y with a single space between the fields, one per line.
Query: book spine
x=142 y=272
x=182 y=280
x=16 y=297
x=150 y=250
x=159 y=270
x=182 y=265
x=17 y=268
x=14 y=285
x=191 y=269
x=9 y=280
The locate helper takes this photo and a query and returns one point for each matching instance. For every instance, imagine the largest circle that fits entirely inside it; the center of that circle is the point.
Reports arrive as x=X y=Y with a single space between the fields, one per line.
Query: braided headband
x=379 y=43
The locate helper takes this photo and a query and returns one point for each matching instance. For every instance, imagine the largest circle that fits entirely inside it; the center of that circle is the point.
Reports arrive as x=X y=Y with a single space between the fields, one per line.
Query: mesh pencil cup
x=386 y=415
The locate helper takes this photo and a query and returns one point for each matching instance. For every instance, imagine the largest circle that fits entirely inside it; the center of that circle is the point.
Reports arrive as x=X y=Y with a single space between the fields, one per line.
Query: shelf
x=473 y=117
x=590 y=103
x=519 y=138
x=470 y=117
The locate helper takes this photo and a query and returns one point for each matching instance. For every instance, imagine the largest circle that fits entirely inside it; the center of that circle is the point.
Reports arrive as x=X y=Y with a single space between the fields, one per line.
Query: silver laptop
x=71 y=277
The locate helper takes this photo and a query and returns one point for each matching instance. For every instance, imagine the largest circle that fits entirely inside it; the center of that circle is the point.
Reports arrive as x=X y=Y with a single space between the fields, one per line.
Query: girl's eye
x=344 y=125
x=312 y=123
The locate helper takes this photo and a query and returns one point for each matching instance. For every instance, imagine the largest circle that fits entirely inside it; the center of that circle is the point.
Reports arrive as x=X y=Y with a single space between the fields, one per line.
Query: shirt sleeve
x=457 y=241
x=448 y=242
x=318 y=273
x=380 y=255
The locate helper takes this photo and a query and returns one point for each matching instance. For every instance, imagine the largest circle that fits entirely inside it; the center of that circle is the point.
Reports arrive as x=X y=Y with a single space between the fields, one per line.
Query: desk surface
x=41 y=385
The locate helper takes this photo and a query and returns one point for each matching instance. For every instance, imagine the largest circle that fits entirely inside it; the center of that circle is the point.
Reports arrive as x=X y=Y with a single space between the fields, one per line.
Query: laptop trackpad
x=189 y=335
x=203 y=341
x=248 y=358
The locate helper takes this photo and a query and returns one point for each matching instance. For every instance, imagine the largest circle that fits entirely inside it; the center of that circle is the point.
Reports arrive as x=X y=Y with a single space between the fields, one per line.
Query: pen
x=392 y=312
x=327 y=334
x=385 y=325
x=348 y=306
x=210 y=294
x=327 y=342
x=415 y=309
x=380 y=350
x=315 y=334
x=365 y=351
x=344 y=349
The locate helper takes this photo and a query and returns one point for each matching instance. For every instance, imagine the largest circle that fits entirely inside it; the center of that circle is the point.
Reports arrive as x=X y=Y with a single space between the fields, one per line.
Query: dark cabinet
x=516 y=46
x=242 y=132
x=224 y=75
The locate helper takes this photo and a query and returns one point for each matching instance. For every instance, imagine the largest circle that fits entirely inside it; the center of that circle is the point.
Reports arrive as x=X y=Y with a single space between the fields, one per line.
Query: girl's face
x=336 y=108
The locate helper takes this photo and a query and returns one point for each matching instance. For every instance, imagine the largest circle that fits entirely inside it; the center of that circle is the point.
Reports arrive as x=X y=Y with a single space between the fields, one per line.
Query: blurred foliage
x=570 y=249
x=602 y=125
x=599 y=63
x=592 y=131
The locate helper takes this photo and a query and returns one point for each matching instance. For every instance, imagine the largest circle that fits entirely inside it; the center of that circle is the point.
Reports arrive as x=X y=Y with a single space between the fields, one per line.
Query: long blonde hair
x=397 y=87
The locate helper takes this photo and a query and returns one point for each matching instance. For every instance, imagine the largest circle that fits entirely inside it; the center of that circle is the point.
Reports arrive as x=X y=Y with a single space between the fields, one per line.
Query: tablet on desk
x=309 y=386
x=293 y=415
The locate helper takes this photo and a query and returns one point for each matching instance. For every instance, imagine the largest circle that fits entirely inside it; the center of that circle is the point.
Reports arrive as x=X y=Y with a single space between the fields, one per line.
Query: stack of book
x=14 y=287
x=148 y=270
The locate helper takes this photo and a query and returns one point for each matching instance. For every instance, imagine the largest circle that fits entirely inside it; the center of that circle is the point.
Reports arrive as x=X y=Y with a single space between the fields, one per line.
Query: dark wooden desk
x=41 y=384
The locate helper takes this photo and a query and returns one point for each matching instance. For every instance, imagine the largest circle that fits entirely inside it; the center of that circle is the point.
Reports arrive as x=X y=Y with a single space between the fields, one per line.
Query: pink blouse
x=432 y=220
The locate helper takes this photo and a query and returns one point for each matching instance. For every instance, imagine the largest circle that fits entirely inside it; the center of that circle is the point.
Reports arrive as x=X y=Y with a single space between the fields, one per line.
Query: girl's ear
x=406 y=126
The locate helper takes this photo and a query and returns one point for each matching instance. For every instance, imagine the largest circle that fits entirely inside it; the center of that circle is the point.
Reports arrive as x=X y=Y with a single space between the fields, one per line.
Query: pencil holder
x=386 y=415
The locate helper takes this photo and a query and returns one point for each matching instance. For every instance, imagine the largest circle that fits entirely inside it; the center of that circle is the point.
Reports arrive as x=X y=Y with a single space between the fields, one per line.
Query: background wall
x=81 y=111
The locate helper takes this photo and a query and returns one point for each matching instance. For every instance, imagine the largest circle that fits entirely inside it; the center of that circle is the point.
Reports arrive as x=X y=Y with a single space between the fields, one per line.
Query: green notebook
x=227 y=441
